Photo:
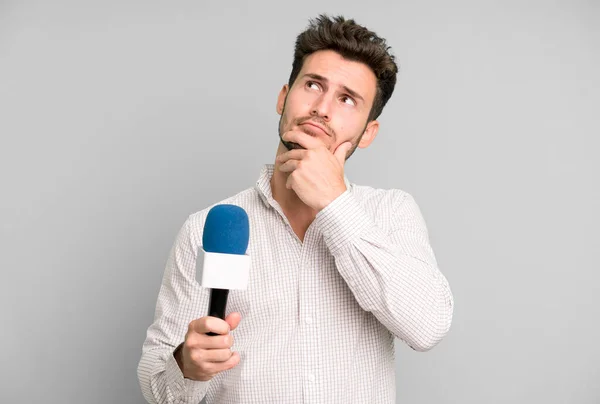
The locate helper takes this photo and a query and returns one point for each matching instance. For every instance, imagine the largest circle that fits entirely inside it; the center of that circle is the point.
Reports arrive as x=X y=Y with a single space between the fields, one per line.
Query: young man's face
x=330 y=100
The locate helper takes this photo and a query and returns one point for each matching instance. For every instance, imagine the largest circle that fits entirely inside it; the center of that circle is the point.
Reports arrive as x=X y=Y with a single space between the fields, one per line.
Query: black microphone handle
x=217 y=304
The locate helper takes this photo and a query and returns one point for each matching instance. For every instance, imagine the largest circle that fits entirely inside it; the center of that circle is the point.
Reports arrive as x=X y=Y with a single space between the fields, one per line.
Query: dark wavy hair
x=353 y=42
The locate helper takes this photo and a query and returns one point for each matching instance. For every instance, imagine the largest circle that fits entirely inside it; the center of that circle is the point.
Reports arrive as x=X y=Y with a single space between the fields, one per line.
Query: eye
x=348 y=100
x=313 y=85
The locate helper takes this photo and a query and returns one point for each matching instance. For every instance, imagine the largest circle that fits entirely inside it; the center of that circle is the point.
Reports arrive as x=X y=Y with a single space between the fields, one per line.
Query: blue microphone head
x=226 y=230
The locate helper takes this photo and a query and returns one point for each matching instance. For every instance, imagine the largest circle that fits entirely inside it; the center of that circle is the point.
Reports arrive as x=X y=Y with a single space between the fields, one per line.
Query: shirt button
x=308 y=320
x=311 y=378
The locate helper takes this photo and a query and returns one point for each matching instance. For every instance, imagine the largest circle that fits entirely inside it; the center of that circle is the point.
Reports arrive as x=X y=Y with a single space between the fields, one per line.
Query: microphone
x=222 y=263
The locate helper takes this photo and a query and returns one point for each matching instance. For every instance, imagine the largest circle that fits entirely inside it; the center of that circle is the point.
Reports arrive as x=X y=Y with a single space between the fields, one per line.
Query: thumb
x=342 y=151
x=233 y=320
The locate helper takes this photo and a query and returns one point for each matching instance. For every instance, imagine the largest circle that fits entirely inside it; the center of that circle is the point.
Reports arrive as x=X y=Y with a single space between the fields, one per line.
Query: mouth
x=315 y=127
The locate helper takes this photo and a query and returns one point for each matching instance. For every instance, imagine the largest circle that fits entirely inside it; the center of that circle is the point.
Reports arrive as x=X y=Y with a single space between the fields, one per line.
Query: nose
x=322 y=107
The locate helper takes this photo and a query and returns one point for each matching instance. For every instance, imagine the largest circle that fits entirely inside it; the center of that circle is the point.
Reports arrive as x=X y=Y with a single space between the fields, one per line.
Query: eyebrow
x=324 y=79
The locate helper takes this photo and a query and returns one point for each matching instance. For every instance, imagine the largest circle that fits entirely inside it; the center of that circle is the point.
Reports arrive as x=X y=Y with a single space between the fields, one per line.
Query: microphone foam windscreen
x=226 y=230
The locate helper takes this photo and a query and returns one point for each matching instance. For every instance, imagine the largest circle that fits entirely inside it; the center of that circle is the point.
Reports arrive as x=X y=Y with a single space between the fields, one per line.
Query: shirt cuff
x=180 y=386
x=341 y=221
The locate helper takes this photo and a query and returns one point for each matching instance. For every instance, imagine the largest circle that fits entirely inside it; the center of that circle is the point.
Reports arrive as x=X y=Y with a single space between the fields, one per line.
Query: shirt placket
x=309 y=322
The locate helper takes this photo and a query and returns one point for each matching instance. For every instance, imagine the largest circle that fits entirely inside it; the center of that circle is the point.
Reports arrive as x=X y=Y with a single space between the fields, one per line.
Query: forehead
x=342 y=72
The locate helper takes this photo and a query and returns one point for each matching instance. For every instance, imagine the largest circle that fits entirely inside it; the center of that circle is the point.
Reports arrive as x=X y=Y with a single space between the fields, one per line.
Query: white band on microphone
x=222 y=271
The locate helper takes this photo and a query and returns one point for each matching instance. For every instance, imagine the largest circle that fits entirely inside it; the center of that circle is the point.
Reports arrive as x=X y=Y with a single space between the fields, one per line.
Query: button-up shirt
x=319 y=315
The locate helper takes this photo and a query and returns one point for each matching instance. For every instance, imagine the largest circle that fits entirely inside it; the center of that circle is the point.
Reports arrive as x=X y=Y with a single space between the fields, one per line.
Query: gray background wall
x=114 y=114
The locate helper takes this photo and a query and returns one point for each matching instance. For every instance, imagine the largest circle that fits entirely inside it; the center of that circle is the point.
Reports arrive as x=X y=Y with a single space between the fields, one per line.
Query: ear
x=281 y=99
x=369 y=134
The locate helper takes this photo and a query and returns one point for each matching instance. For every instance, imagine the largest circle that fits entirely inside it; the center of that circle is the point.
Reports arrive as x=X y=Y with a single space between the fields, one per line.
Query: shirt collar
x=263 y=184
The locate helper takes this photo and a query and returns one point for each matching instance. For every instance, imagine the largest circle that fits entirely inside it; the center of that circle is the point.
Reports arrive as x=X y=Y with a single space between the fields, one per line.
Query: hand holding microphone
x=202 y=356
x=221 y=265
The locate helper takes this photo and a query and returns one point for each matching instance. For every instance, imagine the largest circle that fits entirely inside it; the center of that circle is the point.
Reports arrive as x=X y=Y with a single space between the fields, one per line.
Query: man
x=338 y=270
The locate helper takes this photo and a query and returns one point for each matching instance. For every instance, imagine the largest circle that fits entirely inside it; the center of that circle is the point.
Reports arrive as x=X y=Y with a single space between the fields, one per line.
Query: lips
x=316 y=126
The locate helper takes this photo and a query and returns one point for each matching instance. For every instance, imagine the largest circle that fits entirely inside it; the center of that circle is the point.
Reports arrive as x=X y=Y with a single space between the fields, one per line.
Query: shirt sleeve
x=393 y=272
x=179 y=298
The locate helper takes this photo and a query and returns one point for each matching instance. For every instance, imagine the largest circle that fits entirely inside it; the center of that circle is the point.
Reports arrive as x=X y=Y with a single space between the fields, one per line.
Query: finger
x=230 y=363
x=233 y=319
x=209 y=324
x=203 y=341
x=217 y=355
x=342 y=151
x=289 y=166
x=303 y=139
x=296 y=154
x=213 y=368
